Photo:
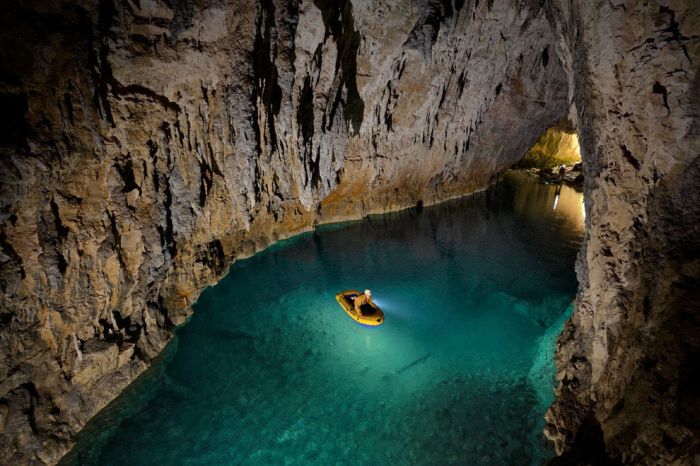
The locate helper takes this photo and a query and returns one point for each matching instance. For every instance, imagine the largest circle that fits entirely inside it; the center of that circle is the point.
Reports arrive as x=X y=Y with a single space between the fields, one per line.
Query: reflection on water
x=567 y=206
x=270 y=370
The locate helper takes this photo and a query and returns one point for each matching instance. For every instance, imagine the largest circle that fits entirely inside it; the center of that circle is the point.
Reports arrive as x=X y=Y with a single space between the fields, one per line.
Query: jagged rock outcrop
x=146 y=144
x=627 y=360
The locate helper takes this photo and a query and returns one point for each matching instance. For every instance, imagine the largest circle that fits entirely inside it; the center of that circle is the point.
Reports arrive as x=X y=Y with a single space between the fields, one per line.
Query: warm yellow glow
x=552 y=149
x=567 y=204
x=576 y=147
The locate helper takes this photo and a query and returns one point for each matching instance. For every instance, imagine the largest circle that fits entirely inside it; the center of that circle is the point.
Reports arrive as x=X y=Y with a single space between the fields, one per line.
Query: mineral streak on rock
x=146 y=144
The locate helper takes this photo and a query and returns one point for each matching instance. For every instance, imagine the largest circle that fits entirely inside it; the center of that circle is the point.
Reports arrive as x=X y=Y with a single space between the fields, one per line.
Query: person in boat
x=365 y=298
x=562 y=173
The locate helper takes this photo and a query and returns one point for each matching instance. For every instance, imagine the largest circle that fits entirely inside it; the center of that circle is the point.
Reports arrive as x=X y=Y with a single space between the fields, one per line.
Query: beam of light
x=394 y=309
x=556 y=202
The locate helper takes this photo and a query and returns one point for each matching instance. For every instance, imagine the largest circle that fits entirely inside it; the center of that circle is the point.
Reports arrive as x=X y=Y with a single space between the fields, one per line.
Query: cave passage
x=554 y=147
x=270 y=370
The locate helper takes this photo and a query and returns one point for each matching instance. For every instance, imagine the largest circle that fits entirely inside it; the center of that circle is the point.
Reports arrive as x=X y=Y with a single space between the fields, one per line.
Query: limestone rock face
x=146 y=144
x=628 y=359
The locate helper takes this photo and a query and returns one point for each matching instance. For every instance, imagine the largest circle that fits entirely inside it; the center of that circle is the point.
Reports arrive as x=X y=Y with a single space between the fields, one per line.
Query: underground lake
x=270 y=370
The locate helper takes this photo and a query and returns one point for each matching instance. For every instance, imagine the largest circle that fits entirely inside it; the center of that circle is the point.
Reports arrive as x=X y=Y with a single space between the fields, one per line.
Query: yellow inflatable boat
x=369 y=314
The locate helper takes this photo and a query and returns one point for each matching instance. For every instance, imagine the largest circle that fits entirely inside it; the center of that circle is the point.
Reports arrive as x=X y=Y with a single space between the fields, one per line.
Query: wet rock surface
x=145 y=145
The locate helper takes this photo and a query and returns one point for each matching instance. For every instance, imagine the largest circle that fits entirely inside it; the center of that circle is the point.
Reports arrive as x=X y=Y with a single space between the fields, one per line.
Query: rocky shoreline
x=573 y=175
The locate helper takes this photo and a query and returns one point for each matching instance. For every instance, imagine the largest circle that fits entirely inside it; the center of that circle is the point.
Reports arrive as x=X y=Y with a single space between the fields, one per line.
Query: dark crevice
x=315 y=166
x=61 y=230
x=114 y=245
x=6 y=317
x=68 y=102
x=61 y=234
x=103 y=70
x=169 y=233
x=256 y=181
x=588 y=447
x=661 y=89
x=265 y=74
x=305 y=113
x=402 y=68
x=14 y=129
x=673 y=30
x=33 y=396
x=443 y=96
x=629 y=157
x=180 y=134
x=688 y=405
x=264 y=55
x=12 y=254
x=212 y=255
x=189 y=135
x=461 y=82
x=545 y=57
x=206 y=181
x=153 y=152
x=340 y=23
x=126 y=173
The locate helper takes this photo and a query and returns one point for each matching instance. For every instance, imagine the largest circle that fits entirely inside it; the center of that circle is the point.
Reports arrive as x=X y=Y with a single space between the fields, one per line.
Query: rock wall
x=628 y=359
x=146 y=144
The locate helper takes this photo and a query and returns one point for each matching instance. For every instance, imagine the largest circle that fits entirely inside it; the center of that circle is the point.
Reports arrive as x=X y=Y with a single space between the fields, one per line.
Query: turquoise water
x=270 y=370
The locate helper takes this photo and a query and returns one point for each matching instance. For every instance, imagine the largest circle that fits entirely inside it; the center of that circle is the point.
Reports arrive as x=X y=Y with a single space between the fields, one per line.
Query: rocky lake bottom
x=270 y=370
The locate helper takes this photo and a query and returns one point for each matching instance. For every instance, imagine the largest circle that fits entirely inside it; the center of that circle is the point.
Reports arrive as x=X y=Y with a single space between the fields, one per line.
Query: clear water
x=270 y=370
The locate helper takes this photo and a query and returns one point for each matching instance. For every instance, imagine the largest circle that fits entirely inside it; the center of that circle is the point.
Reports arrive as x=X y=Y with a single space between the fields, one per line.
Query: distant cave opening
x=555 y=157
x=557 y=146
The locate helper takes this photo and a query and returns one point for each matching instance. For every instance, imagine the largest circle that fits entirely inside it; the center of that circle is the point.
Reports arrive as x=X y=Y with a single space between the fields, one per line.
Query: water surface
x=270 y=370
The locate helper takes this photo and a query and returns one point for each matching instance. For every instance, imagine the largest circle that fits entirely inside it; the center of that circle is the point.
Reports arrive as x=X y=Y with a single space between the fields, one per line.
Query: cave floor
x=270 y=370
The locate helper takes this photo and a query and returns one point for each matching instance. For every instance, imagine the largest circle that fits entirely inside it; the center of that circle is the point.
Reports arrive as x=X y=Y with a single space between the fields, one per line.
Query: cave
x=152 y=149
x=555 y=147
